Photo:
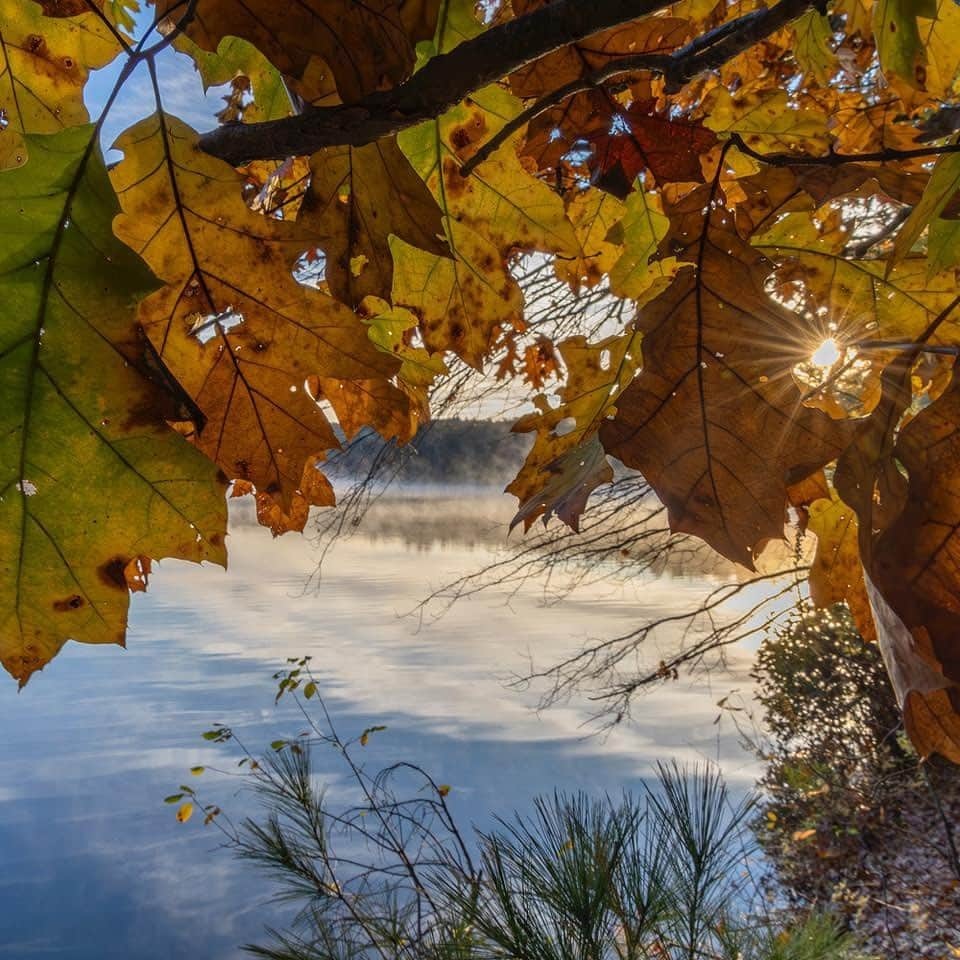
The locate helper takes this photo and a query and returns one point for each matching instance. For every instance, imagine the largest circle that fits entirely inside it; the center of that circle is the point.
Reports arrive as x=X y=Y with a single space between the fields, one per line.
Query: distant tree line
x=455 y=451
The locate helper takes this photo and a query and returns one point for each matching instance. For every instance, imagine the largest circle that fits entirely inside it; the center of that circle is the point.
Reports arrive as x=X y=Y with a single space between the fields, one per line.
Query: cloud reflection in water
x=96 y=867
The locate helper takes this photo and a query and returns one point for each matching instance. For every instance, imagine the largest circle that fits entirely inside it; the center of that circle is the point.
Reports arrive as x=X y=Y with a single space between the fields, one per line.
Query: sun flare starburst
x=826 y=355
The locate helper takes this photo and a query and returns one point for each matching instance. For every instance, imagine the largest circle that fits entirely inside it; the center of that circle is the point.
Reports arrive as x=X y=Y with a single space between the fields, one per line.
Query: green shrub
x=851 y=820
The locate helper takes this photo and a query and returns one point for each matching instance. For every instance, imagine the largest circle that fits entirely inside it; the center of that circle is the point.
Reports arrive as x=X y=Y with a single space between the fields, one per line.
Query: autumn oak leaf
x=714 y=420
x=643 y=138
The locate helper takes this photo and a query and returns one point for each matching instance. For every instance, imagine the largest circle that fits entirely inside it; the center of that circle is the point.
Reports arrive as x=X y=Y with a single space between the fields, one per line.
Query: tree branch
x=707 y=52
x=443 y=82
x=838 y=159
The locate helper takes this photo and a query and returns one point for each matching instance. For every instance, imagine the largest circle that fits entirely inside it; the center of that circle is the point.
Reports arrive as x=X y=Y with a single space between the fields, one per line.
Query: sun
x=826 y=355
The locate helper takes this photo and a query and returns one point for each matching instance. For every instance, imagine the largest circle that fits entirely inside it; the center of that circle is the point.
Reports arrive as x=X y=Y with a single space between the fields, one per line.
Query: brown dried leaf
x=714 y=421
x=365 y=44
x=930 y=702
x=240 y=334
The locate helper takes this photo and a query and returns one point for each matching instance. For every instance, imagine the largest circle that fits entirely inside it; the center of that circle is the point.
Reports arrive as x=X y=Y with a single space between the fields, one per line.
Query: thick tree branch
x=443 y=82
x=707 y=52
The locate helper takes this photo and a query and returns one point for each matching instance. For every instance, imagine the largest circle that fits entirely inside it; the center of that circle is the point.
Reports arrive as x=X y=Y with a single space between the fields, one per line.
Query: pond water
x=94 y=864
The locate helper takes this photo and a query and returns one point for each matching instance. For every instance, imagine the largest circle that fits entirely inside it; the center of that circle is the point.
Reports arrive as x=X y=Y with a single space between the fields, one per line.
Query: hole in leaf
x=206 y=327
x=310 y=270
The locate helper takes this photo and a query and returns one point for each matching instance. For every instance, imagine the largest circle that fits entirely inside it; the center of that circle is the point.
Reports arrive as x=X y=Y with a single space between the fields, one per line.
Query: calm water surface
x=94 y=865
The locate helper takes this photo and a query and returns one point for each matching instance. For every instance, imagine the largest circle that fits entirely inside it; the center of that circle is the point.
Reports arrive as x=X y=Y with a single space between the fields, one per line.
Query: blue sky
x=181 y=89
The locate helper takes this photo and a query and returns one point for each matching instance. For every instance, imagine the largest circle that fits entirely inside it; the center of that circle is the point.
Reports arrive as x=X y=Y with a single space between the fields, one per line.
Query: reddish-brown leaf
x=644 y=138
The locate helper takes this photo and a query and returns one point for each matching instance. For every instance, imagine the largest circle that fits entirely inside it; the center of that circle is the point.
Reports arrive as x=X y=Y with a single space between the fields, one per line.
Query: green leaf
x=235 y=57
x=91 y=475
x=457 y=23
x=897 y=33
x=941 y=188
x=173 y=798
x=943 y=246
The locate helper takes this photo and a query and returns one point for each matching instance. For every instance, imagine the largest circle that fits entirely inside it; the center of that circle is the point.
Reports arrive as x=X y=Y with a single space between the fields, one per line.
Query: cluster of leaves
x=851 y=820
x=386 y=870
x=757 y=181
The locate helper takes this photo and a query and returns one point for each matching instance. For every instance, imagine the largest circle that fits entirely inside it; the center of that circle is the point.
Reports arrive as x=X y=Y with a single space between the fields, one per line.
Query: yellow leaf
x=593 y=214
x=566 y=463
x=389 y=329
x=941 y=40
x=500 y=198
x=462 y=303
x=358 y=198
x=638 y=235
x=863 y=301
x=44 y=63
x=499 y=209
x=836 y=575
x=185 y=812
x=766 y=120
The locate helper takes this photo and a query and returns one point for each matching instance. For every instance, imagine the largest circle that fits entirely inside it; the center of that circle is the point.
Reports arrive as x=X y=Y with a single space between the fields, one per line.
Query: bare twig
x=833 y=159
